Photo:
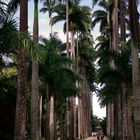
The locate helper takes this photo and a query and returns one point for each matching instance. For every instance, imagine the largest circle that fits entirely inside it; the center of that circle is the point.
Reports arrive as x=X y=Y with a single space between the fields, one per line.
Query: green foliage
x=109 y=78
x=54 y=70
x=99 y=123
x=7 y=33
x=61 y=108
x=95 y=122
x=94 y=2
x=82 y=23
x=8 y=85
x=87 y=57
x=13 y=5
x=11 y=39
x=100 y=16
x=48 y=5
x=8 y=73
x=103 y=125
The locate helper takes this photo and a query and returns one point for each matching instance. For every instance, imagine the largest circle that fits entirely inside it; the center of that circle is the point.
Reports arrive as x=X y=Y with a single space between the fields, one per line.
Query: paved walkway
x=94 y=138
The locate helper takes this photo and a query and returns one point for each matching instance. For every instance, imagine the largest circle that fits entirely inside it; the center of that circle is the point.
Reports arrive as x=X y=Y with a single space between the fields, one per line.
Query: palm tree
x=49 y=61
x=134 y=29
x=80 y=24
x=128 y=125
x=56 y=66
x=34 y=84
x=49 y=6
x=127 y=132
x=20 y=120
x=86 y=69
x=113 y=79
x=34 y=96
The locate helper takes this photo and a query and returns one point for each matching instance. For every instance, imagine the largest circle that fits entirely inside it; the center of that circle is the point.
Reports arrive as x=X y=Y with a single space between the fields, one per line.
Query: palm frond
x=44 y=10
x=94 y=2
x=56 y=19
x=13 y=5
x=103 y=4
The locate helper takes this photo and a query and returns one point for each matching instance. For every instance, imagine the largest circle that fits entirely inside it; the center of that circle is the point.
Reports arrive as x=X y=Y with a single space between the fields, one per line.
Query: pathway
x=93 y=138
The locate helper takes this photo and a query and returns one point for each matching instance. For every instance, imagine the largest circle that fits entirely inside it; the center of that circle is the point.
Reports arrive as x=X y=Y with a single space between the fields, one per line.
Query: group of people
x=100 y=136
x=98 y=132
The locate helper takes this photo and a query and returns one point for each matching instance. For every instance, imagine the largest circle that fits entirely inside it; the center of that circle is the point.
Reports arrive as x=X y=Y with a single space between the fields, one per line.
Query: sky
x=44 y=28
x=97 y=110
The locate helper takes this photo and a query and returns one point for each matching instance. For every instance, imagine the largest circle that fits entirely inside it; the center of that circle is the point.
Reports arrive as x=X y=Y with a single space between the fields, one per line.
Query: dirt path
x=93 y=138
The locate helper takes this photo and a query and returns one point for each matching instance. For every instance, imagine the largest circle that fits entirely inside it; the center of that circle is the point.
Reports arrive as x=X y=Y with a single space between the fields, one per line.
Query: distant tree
x=103 y=125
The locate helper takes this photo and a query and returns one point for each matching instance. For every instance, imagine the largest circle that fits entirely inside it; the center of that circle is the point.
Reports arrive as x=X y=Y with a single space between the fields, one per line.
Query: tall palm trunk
x=127 y=130
x=89 y=111
x=112 y=127
x=67 y=26
x=86 y=110
x=134 y=29
x=68 y=119
x=115 y=26
x=81 y=111
x=72 y=49
x=74 y=118
x=34 y=93
x=108 y=119
x=40 y=116
x=114 y=107
x=52 y=118
x=73 y=100
x=68 y=55
x=20 y=119
x=47 y=130
x=122 y=20
x=79 y=118
x=114 y=47
x=82 y=108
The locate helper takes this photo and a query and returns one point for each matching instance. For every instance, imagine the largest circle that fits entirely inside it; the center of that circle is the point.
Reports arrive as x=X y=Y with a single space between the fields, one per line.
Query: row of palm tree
x=119 y=91
x=59 y=80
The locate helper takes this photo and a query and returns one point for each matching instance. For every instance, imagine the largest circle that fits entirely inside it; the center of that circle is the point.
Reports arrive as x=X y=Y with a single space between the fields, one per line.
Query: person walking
x=98 y=136
x=102 y=135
